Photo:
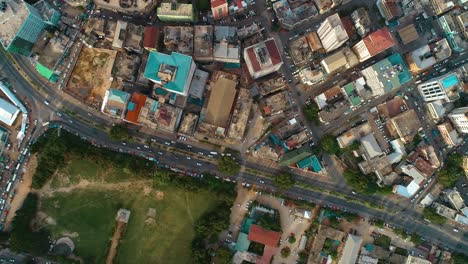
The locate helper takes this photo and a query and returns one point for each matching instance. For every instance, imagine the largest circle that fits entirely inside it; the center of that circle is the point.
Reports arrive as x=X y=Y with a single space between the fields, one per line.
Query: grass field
x=91 y=214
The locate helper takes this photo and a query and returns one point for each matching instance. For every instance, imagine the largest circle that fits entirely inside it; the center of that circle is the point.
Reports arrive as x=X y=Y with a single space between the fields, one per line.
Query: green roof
x=243 y=242
x=384 y=72
x=47 y=73
x=180 y=61
x=295 y=156
x=118 y=96
x=353 y=96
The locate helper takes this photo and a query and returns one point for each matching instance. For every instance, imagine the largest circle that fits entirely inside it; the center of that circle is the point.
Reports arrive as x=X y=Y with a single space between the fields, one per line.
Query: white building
x=332 y=33
x=263 y=58
x=445 y=87
x=8 y=112
x=459 y=118
x=449 y=134
x=351 y=250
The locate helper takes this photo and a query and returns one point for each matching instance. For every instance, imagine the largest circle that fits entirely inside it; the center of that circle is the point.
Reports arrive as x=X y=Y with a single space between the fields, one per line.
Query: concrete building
x=408 y=34
x=151 y=38
x=405 y=125
x=454 y=198
x=21 y=24
x=115 y=103
x=175 y=12
x=219 y=8
x=172 y=72
x=291 y=16
x=416 y=260
x=332 y=33
x=445 y=87
x=390 y=10
x=362 y=21
x=222 y=97
x=373 y=44
x=426 y=56
x=444 y=211
x=370 y=146
x=198 y=84
x=203 y=43
x=263 y=58
x=453 y=24
x=226 y=46
x=342 y=59
x=8 y=112
x=386 y=75
x=449 y=134
x=442 y=6
x=351 y=250
x=436 y=110
x=459 y=118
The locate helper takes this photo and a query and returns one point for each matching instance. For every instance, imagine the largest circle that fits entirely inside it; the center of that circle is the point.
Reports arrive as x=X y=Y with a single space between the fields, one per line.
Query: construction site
x=91 y=76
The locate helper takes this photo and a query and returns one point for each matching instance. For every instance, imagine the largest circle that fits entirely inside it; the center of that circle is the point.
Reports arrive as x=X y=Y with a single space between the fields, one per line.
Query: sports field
x=86 y=212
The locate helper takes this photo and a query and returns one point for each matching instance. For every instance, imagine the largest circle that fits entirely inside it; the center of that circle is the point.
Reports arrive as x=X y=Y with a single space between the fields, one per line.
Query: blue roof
x=243 y=242
x=180 y=61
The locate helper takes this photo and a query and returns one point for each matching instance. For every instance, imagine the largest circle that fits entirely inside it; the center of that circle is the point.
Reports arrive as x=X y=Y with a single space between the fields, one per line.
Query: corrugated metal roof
x=8 y=112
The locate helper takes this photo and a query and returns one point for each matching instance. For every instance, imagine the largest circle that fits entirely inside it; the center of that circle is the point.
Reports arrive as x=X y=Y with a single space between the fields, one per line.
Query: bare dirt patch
x=91 y=76
x=159 y=195
x=146 y=190
x=22 y=190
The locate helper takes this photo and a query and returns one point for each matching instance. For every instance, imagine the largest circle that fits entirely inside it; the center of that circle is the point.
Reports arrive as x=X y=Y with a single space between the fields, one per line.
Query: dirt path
x=115 y=243
x=22 y=190
x=188 y=209
x=84 y=184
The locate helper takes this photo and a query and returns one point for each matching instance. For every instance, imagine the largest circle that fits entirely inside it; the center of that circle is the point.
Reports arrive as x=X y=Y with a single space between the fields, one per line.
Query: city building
x=405 y=125
x=300 y=51
x=151 y=38
x=222 y=96
x=8 y=112
x=265 y=237
x=137 y=102
x=188 y=124
x=355 y=91
x=351 y=250
x=240 y=115
x=115 y=103
x=128 y=37
x=413 y=187
x=362 y=21
x=454 y=198
x=274 y=104
x=226 y=46
x=449 y=134
x=198 y=84
x=444 y=211
x=332 y=33
x=453 y=25
x=386 y=75
x=291 y=16
x=172 y=72
x=408 y=34
x=416 y=260
x=311 y=76
x=219 y=8
x=21 y=24
x=446 y=87
x=203 y=43
x=465 y=166
x=442 y=6
x=262 y=58
x=436 y=110
x=167 y=117
x=271 y=85
x=426 y=56
x=341 y=60
x=373 y=44
x=390 y=10
x=294 y=156
x=370 y=146
x=175 y=12
x=179 y=39
x=459 y=118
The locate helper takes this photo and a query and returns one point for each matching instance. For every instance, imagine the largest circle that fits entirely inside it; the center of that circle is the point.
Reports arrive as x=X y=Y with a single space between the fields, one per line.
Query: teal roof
x=118 y=96
x=243 y=242
x=384 y=67
x=296 y=155
x=310 y=162
x=180 y=61
x=353 y=96
x=247 y=224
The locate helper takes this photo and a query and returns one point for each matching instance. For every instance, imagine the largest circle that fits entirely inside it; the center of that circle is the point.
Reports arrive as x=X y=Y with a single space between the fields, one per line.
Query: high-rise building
x=332 y=33
x=449 y=134
x=459 y=118
x=373 y=44
x=390 y=9
x=219 y=8
x=21 y=24
x=445 y=87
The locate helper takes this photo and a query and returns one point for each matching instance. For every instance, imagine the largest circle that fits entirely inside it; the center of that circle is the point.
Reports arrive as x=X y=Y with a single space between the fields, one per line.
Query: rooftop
x=161 y=68
x=263 y=56
x=223 y=94
x=292 y=16
x=351 y=250
x=168 y=117
x=115 y=102
x=371 y=146
x=240 y=116
x=386 y=75
x=272 y=85
x=175 y=9
x=406 y=125
x=295 y=156
x=378 y=41
x=151 y=37
x=188 y=124
x=134 y=107
x=179 y=39
x=203 y=42
x=8 y=112
x=147 y=114
x=408 y=34
x=343 y=58
x=263 y=236
x=301 y=52
x=421 y=59
x=275 y=103
x=198 y=84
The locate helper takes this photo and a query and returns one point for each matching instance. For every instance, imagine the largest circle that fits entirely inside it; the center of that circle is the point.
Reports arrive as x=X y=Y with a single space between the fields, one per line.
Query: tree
x=311 y=113
x=432 y=215
x=119 y=132
x=459 y=258
x=228 y=165
x=451 y=171
x=292 y=239
x=285 y=252
x=223 y=256
x=203 y=5
x=416 y=239
x=284 y=181
x=329 y=144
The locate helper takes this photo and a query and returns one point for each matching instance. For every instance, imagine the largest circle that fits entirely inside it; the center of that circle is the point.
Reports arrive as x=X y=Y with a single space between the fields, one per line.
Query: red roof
x=263 y=236
x=138 y=101
x=268 y=253
x=216 y=3
x=151 y=37
x=272 y=51
x=378 y=41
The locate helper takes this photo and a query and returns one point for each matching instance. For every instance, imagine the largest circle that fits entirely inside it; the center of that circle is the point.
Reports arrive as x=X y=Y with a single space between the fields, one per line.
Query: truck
x=213 y=153
x=8 y=188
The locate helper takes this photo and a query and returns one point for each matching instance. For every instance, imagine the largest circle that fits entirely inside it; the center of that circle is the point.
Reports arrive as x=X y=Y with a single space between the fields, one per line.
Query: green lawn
x=91 y=214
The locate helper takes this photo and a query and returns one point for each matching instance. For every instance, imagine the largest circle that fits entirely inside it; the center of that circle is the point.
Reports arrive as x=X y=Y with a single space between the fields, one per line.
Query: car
x=138 y=148
x=353 y=192
x=189 y=158
x=167 y=143
x=146 y=146
x=199 y=164
x=46 y=102
x=59 y=114
x=456 y=230
x=123 y=143
x=160 y=153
